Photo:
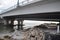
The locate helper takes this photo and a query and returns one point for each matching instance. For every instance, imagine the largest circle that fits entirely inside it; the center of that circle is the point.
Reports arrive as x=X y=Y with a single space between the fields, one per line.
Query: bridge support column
x=6 y=23
x=58 y=27
x=20 y=24
x=12 y=24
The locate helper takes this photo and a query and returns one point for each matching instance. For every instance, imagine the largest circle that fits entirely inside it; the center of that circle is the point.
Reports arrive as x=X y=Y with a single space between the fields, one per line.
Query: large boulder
x=34 y=34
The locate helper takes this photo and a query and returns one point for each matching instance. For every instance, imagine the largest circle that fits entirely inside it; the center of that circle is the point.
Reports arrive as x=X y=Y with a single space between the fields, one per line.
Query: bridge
x=46 y=10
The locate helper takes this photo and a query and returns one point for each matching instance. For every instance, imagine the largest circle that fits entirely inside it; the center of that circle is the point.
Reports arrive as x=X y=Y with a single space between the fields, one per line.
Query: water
x=17 y=35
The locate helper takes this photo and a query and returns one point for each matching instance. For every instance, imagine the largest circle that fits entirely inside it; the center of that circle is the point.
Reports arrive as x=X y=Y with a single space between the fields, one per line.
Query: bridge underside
x=49 y=16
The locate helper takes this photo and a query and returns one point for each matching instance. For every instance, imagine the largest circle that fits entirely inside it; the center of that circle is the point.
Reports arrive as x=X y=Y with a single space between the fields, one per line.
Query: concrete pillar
x=18 y=24
x=7 y=22
x=21 y=24
x=12 y=24
x=58 y=27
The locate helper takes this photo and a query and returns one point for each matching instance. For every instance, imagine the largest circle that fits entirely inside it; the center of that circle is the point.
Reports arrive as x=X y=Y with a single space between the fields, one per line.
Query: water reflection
x=4 y=29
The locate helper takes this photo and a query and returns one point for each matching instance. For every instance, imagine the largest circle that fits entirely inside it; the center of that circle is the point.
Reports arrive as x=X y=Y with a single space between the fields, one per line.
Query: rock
x=7 y=37
x=1 y=39
x=34 y=34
